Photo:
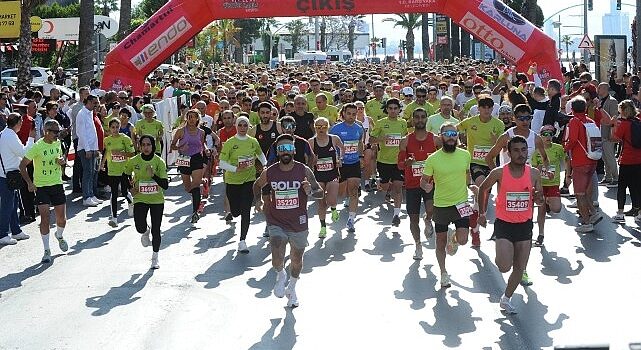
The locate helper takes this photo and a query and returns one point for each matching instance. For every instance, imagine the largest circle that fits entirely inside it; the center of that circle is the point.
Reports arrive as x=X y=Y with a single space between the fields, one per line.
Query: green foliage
x=146 y=8
x=105 y=7
x=57 y=11
x=249 y=29
x=297 y=29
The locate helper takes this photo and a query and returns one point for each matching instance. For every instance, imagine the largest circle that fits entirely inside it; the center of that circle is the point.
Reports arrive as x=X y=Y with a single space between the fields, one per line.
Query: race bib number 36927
x=148 y=187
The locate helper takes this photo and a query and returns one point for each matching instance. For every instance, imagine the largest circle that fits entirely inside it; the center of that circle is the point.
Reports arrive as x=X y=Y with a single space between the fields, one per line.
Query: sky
x=549 y=7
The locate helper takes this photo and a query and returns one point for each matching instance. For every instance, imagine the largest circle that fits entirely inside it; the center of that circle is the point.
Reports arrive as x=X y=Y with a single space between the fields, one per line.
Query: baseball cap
x=396 y=87
x=505 y=109
x=407 y=91
x=279 y=86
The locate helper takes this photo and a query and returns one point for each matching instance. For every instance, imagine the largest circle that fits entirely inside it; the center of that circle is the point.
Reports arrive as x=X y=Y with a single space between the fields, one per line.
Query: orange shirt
x=212 y=109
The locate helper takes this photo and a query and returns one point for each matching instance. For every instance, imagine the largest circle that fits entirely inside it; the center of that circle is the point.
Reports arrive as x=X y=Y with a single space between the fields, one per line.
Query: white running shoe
x=46 y=258
x=144 y=238
x=95 y=199
x=292 y=299
x=6 y=240
x=506 y=304
x=20 y=236
x=620 y=218
x=242 y=247
x=279 y=287
x=89 y=202
x=113 y=222
x=573 y=205
x=130 y=209
x=445 y=280
x=154 y=261
x=418 y=252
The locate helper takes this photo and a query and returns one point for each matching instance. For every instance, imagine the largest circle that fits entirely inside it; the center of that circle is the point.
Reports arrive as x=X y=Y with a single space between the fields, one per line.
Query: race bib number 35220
x=287 y=199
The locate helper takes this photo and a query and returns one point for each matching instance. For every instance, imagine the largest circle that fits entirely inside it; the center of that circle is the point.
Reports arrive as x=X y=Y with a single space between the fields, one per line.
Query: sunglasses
x=289 y=126
x=450 y=133
x=320 y=127
x=524 y=117
x=547 y=133
x=286 y=147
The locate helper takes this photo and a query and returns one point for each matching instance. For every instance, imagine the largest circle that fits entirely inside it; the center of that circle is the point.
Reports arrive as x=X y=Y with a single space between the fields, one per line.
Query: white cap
x=407 y=91
x=279 y=86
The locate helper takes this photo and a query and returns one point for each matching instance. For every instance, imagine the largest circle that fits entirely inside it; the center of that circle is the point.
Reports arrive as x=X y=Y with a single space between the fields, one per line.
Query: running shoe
x=266 y=233
x=372 y=184
x=62 y=244
x=323 y=232
x=596 y=218
x=565 y=192
x=113 y=222
x=476 y=238
x=573 y=204
x=539 y=241
x=97 y=200
x=612 y=184
x=418 y=252
x=292 y=299
x=229 y=218
x=335 y=216
x=620 y=218
x=195 y=217
x=604 y=181
x=452 y=245
x=396 y=221
x=279 y=287
x=445 y=280
x=632 y=212
x=144 y=238
x=154 y=262
x=46 y=258
x=350 y=225
x=428 y=231
x=506 y=304
x=388 y=198
x=7 y=240
x=584 y=228
x=525 y=280
x=130 y=209
x=242 y=247
x=20 y=236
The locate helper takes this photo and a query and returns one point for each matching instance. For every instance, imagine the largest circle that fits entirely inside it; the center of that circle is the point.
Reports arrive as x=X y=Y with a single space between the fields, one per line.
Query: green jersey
x=330 y=112
x=149 y=192
x=389 y=133
x=152 y=128
x=236 y=152
x=116 y=163
x=479 y=136
x=434 y=123
x=556 y=156
x=46 y=170
x=311 y=99
x=410 y=108
x=449 y=171
x=374 y=109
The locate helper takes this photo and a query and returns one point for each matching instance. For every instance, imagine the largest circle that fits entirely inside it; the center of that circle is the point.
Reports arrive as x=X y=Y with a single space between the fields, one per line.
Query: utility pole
x=586 y=52
x=316 y=46
x=638 y=58
x=373 y=36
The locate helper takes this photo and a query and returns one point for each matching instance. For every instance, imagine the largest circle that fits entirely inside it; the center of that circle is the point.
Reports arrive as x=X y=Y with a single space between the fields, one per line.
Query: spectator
x=77 y=164
x=88 y=150
x=610 y=106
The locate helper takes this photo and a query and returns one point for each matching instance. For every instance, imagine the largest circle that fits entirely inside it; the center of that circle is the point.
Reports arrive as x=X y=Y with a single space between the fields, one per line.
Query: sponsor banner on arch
x=487 y=34
x=507 y=18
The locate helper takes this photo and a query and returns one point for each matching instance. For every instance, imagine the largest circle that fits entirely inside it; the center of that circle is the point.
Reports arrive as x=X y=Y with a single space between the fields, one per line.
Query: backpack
x=594 y=149
x=635 y=131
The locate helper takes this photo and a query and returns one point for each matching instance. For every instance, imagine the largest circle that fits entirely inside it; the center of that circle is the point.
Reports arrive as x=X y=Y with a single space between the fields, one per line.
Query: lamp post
x=271 y=39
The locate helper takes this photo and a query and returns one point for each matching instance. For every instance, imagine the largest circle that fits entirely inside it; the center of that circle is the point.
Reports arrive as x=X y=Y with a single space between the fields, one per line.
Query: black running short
x=350 y=171
x=50 y=195
x=196 y=162
x=414 y=197
x=513 y=232
x=389 y=172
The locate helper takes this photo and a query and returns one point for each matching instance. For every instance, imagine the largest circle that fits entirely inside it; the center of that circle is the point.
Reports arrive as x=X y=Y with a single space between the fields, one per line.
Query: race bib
x=517 y=201
x=325 y=164
x=393 y=140
x=147 y=187
x=548 y=173
x=118 y=158
x=417 y=168
x=351 y=147
x=287 y=199
x=246 y=161
x=480 y=152
x=183 y=160
x=464 y=209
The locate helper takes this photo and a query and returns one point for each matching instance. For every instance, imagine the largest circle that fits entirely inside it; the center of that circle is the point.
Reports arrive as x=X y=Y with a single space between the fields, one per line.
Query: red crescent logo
x=47 y=31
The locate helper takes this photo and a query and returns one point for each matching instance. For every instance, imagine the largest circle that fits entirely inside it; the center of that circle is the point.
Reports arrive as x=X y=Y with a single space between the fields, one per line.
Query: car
x=9 y=81
x=64 y=91
x=39 y=74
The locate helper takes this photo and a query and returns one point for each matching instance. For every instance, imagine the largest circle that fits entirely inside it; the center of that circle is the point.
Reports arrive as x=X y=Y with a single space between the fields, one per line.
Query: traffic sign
x=586 y=43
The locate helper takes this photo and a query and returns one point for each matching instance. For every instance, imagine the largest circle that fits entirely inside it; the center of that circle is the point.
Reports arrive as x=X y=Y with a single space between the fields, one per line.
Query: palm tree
x=455 y=33
x=225 y=31
x=425 y=26
x=24 y=54
x=85 y=69
x=567 y=40
x=296 y=29
x=351 y=29
x=409 y=21
x=125 y=19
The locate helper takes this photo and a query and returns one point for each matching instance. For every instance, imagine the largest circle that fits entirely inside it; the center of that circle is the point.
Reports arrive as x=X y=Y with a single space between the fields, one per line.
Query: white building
x=335 y=42
x=617 y=22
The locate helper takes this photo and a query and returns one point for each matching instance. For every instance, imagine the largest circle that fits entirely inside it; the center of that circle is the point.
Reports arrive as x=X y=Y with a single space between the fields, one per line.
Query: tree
x=297 y=29
x=85 y=68
x=409 y=21
x=455 y=34
x=323 y=34
x=24 y=54
x=528 y=9
x=249 y=29
x=125 y=19
x=425 y=36
x=567 y=40
x=146 y=8
x=353 y=22
x=105 y=7
x=224 y=30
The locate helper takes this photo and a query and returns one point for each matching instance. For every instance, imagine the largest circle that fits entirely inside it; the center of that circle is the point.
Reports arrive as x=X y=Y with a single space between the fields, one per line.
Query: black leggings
x=629 y=176
x=240 y=199
x=116 y=182
x=140 y=218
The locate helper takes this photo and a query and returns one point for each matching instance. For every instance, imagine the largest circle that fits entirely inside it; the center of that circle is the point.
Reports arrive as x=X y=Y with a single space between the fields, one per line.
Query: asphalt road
x=358 y=291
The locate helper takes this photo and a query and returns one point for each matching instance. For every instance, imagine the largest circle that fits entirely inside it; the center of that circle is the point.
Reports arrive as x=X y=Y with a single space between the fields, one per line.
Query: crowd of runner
x=434 y=136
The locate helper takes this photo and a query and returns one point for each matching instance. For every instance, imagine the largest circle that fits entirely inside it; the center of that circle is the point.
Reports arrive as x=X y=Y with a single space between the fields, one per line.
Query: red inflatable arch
x=174 y=24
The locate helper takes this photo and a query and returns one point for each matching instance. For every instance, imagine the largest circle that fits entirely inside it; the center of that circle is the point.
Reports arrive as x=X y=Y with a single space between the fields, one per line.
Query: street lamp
x=271 y=39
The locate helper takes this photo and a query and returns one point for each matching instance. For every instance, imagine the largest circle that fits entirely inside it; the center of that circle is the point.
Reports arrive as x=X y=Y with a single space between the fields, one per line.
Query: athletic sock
x=45 y=241
x=352 y=215
x=292 y=282
x=195 y=198
x=397 y=211
x=323 y=224
x=59 y=231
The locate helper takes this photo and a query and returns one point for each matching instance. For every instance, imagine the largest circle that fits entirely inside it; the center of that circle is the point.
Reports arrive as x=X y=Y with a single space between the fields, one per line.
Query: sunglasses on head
x=450 y=133
x=524 y=117
x=289 y=126
x=286 y=147
x=547 y=133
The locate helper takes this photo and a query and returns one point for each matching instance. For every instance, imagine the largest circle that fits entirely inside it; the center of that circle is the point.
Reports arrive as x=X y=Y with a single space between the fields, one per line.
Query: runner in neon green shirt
x=421 y=101
x=325 y=110
x=374 y=107
x=46 y=156
x=150 y=126
x=118 y=149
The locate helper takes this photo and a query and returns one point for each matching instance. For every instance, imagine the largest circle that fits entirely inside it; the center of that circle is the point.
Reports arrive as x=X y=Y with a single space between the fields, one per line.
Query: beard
x=420 y=126
x=285 y=158
x=449 y=148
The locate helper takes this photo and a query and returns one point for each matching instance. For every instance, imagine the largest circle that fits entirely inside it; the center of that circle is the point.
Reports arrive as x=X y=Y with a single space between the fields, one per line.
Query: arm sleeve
x=262 y=158
x=552 y=111
x=226 y=166
x=163 y=183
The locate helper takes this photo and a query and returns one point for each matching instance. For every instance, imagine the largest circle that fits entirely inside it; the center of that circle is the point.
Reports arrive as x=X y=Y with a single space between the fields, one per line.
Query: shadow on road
x=329 y=249
x=14 y=280
x=555 y=265
x=416 y=288
x=451 y=320
x=386 y=247
x=286 y=339
x=601 y=244
x=487 y=280
x=96 y=242
x=119 y=296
